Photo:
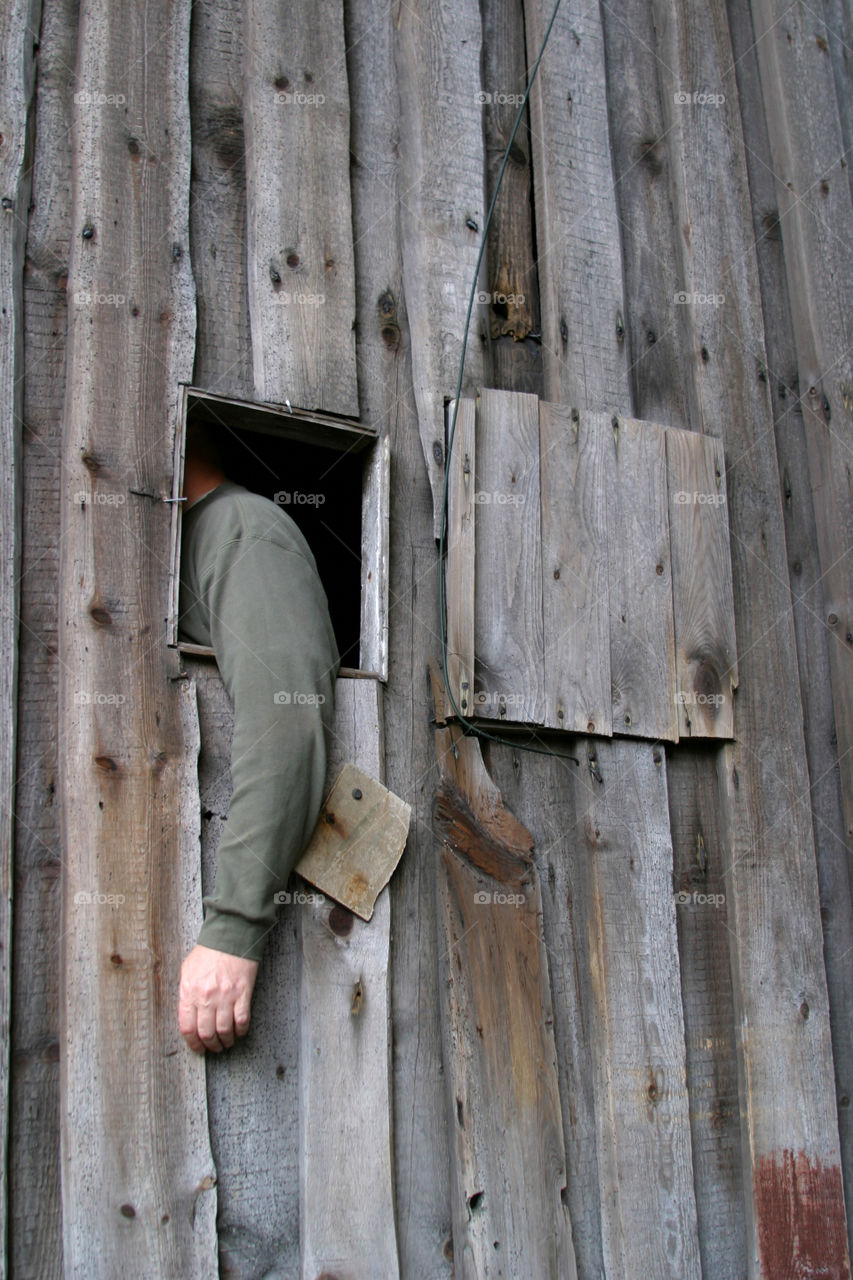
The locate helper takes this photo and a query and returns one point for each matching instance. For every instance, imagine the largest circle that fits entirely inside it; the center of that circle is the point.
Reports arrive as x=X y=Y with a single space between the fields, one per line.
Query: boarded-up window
x=588 y=572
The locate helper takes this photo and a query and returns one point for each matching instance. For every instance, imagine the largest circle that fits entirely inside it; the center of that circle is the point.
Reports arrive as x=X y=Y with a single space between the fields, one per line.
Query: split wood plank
x=703 y=608
x=576 y=455
x=459 y=565
x=299 y=214
x=649 y=1224
x=813 y=190
x=438 y=49
x=503 y=1104
x=19 y=25
x=788 y=1105
x=577 y=231
x=642 y=638
x=136 y=1168
x=508 y=635
x=347 y=1223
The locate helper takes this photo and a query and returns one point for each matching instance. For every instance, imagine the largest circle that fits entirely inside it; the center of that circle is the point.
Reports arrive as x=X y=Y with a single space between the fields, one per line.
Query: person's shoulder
x=256 y=516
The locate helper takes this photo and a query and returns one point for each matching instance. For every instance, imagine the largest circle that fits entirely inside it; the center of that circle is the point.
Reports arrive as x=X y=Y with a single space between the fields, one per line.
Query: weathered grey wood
x=816 y=220
x=575 y=474
x=460 y=538
x=509 y=1171
x=299 y=217
x=706 y=992
x=642 y=639
x=703 y=610
x=806 y=591
x=384 y=352
x=441 y=223
x=218 y=198
x=375 y=552
x=838 y=34
x=788 y=1110
x=508 y=629
x=577 y=234
x=136 y=1168
x=642 y=1112
x=346 y=1179
x=30 y=1042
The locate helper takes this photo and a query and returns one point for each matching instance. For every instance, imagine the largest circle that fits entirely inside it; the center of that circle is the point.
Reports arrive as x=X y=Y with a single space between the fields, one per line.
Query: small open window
x=330 y=474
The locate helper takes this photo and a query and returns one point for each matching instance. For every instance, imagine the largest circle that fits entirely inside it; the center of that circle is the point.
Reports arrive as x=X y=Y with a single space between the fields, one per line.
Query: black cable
x=464 y=723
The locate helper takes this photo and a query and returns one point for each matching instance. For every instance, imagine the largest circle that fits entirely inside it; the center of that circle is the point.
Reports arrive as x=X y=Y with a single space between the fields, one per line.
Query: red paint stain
x=802 y=1229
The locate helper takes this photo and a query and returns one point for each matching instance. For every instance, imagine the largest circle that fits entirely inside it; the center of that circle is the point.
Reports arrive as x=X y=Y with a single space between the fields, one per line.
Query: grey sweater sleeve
x=270 y=631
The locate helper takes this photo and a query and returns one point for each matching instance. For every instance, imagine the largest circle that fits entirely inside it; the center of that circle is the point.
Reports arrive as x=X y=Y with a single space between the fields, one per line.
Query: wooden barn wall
x=616 y=198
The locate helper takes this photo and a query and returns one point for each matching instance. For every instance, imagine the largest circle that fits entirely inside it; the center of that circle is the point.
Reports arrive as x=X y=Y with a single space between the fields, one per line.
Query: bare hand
x=214 y=998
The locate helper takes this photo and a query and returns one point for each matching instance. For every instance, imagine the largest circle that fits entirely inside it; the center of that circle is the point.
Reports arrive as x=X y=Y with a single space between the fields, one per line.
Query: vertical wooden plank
x=299 y=214
x=508 y=637
x=577 y=233
x=218 y=199
x=807 y=148
x=512 y=298
x=33 y=1191
x=703 y=608
x=383 y=349
x=644 y=1148
x=438 y=50
x=346 y=1182
x=575 y=474
x=789 y=1121
x=813 y=639
x=642 y=639
x=509 y=1173
x=461 y=554
x=137 y=1173
x=19 y=24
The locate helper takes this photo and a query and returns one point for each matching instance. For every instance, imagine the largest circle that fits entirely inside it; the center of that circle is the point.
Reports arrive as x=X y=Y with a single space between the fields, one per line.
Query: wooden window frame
x=329 y=431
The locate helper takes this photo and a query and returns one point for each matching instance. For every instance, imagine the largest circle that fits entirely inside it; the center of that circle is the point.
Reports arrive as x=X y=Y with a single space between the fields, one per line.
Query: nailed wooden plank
x=576 y=459
x=437 y=49
x=788 y=1106
x=357 y=842
x=503 y=1101
x=813 y=190
x=218 y=198
x=577 y=232
x=642 y=640
x=19 y=24
x=703 y=609
x=299 y=215
x=801 y=545
x=459 y=565
x=508 y=643
x=346 y=1181
x=136 y=1168
x=642 y=1112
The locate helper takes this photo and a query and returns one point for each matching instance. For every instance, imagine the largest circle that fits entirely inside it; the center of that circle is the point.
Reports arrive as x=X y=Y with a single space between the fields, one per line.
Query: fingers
x=214 y=998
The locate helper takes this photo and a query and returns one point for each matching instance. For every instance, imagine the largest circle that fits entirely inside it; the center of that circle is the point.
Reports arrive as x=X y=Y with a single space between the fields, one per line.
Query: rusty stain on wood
x=799 y=1211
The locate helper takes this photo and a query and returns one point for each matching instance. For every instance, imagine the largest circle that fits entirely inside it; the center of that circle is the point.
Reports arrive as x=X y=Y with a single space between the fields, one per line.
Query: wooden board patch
x=357 y=842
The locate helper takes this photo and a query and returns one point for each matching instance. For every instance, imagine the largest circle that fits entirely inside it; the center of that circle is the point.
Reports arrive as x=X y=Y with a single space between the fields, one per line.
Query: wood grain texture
x=19 y=24
x=575 y=474
x=703 y=609
x=461 y=556
x=346 y=1179
x=784 y=1046
x=508 y=633
x=642 y=639
x=441 y=223
x=136 y=1168
x=642 y=1109
x=813 y=190
x=577 y=233
x=299 y=216
x=509 y=1170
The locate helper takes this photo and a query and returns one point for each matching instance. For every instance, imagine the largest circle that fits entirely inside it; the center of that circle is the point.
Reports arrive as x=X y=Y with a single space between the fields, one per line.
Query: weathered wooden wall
x=702 y=1063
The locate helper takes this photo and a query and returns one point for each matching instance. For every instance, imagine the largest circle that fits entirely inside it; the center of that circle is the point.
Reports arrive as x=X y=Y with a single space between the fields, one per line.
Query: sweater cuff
x=234 y=934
